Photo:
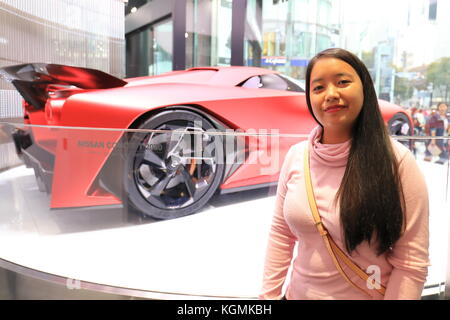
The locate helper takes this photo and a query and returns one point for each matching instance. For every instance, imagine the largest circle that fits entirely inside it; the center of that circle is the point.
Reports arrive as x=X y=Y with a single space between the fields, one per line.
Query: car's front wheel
x=399 y=125
x=174 y=168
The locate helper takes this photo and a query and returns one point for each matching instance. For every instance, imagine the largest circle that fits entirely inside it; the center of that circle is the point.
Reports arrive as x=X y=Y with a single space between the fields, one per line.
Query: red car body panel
x=389 y=109
x=213 y=91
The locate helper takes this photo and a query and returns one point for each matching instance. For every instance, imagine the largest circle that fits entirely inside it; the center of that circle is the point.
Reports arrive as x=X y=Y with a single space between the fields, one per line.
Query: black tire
x=399 y=125
x=164 y=177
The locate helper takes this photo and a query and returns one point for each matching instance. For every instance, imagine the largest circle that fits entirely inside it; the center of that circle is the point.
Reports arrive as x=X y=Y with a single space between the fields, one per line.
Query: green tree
x=438 y=73
x=403 y=88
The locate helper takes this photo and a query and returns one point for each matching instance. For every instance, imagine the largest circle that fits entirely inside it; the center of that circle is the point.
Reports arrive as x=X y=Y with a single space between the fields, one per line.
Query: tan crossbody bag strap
x=332 y=247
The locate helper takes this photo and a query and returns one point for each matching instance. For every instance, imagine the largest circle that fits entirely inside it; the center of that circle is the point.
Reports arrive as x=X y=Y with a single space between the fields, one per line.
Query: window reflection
x=208 y=33
x=150 y=50
x=162 y=48
x=283 y=35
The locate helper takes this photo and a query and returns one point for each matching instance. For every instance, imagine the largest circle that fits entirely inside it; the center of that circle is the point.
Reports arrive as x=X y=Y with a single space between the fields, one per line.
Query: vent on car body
x=203 y=68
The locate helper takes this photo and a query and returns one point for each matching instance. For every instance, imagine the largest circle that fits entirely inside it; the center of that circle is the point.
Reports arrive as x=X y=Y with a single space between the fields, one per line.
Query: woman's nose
x=331 y=93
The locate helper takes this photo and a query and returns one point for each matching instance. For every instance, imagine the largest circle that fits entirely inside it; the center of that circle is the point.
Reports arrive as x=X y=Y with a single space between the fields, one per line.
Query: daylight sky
x=373 y=20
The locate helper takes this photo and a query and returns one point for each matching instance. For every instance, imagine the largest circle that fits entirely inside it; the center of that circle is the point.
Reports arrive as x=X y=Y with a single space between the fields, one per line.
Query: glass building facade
x=283 y=35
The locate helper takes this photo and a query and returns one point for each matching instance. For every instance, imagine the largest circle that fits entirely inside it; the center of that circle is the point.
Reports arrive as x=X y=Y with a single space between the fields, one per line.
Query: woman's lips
x=335 y=108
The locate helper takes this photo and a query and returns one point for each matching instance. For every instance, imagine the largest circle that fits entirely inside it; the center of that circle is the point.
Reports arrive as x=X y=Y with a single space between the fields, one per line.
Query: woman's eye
x=317 y=88
x=344 y=81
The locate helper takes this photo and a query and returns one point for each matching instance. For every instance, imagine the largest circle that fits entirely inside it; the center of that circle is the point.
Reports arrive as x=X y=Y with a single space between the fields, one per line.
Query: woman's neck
x=330 y=136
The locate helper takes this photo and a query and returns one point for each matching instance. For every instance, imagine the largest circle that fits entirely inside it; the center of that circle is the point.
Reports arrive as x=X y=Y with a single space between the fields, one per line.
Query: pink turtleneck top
x=314 y=276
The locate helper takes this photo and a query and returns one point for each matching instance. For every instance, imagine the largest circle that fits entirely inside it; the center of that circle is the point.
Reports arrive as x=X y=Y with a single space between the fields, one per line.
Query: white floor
x=218 y=252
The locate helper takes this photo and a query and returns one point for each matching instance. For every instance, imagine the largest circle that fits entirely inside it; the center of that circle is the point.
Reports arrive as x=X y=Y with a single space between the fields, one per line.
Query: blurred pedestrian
x=419 y=127
x=437 y=126
x=419 y=122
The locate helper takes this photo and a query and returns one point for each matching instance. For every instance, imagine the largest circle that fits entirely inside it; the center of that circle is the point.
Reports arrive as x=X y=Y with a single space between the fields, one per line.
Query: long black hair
x=370 y=196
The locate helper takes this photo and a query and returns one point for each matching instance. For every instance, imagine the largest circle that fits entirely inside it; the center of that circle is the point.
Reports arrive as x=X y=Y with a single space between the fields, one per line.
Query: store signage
x=273 y=61
x=281 y=61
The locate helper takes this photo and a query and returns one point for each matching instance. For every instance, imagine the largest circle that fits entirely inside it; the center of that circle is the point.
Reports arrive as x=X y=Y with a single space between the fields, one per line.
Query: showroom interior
x=107 y=251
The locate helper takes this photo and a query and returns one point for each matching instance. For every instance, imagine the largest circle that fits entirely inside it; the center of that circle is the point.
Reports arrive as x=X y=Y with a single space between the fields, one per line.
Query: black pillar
x=179 y=30
x=237 y=32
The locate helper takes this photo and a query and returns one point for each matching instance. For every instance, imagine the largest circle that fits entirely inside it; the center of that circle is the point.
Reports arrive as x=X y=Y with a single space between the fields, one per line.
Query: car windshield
x=300 y=83
x=273 y=81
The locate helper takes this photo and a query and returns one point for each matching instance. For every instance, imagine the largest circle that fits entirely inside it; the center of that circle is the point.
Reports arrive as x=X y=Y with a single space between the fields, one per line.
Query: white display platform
x=217 y=253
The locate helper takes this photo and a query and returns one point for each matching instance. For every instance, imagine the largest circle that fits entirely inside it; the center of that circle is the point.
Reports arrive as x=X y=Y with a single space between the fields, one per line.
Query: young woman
x=370 y=194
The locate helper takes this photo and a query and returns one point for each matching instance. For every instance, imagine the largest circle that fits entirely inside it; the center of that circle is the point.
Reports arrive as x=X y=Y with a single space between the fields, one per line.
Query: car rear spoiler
x=32 y=79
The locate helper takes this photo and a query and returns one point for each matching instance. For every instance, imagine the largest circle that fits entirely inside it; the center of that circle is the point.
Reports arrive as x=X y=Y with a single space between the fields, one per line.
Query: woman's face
x=336 y=95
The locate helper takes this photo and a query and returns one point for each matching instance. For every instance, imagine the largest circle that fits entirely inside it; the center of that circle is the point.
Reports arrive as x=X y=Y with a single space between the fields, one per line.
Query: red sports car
x=161 y=144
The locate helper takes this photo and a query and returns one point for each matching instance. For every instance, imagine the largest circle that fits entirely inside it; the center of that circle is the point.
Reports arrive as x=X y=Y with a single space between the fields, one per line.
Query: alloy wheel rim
x=174 y=169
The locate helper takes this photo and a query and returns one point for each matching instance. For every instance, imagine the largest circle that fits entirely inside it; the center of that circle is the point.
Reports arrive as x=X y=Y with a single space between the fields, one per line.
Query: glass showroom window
x=137 y=53
x=149 y=50
x=208 y=33
x=162 y=48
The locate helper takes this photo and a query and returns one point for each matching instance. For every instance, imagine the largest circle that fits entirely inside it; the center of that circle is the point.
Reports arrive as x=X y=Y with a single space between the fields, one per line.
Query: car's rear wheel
x=175 y=169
